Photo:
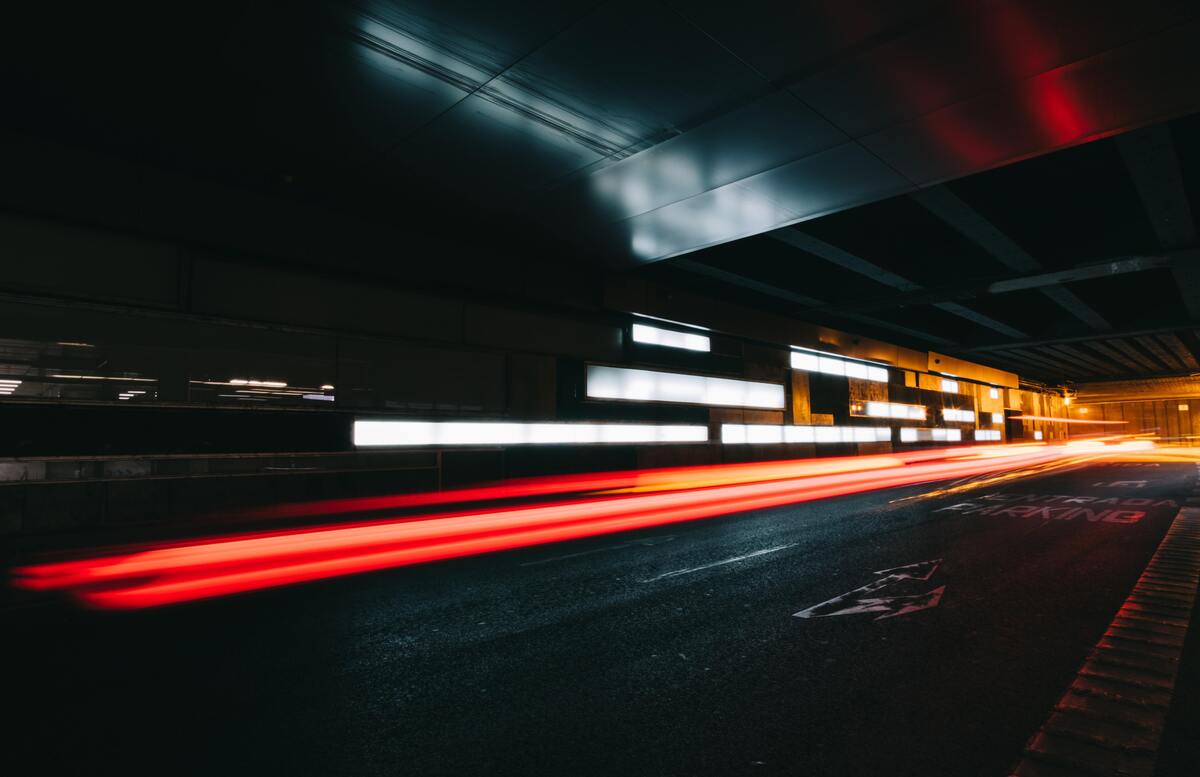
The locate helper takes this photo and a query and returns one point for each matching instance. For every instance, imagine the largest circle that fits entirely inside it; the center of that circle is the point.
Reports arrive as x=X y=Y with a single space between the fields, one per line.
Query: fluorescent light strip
x=673 y=322
x=318 y=397
x=949 y=386
x=651 y=386
x=894 y=410
x=961 y=416
x=104 y=377
x=412 y=433
x=910 y=434
x=997 y=418
x=652 y=335
x=252 y=382
x=987 y=434
x=816 y=361
x=769 y=434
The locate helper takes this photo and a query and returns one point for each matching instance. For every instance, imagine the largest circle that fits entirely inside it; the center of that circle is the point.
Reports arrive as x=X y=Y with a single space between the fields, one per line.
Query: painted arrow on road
x=860 y=600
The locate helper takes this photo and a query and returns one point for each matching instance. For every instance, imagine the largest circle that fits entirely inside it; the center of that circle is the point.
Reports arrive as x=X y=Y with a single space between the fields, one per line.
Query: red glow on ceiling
x=146 y=576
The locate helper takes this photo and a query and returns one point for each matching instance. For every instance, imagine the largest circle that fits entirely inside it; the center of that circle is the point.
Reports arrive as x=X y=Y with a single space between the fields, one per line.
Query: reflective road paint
x=722 y=563
x=860 y=601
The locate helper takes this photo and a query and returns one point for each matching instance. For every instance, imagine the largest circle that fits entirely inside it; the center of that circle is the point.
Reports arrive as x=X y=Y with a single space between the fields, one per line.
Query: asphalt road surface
x=671 y=651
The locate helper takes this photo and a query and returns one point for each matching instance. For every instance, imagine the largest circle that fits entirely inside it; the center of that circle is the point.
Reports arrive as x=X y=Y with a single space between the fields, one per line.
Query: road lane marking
x=1111 y=719
x=647 y=542
x=858 y=601
x=733 y=560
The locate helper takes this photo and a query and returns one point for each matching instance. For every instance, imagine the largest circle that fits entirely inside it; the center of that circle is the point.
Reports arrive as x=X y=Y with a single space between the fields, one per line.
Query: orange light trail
x=1064 y=420
x=147 y=576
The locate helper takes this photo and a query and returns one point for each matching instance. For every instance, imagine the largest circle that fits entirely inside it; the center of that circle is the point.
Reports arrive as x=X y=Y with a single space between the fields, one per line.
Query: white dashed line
x=733 y=560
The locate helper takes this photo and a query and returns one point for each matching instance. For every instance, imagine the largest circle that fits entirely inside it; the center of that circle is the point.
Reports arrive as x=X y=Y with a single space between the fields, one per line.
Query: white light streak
x=910 y=434
x=895 y=410
x=770 y=434
x=652 y=335
x=817 y=361
x=103 y=377
x=415 y=433
x=651 y=386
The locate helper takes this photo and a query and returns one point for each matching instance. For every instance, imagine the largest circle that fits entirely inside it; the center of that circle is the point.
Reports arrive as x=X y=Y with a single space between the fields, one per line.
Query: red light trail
x=147 y=576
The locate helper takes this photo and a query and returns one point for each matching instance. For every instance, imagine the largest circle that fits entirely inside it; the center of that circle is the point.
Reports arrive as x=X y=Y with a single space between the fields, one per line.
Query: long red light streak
x=157 y=575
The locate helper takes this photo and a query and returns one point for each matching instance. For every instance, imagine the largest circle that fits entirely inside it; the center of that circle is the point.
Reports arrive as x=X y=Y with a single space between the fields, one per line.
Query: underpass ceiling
x=646 y=132
x=1072 y=266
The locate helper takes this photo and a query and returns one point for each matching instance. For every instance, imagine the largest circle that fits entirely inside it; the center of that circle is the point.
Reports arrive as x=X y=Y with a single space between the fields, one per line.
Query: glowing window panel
x=652 y=335
x=910 y=434
x=949 y=386
x=997 y=418
x=895 y=410
x=994 y=393
x=989 y=435
x=1037 y=435
x=761 y=434
x=651 y=386
x=831 y=366
x=856 y=370
x=960 y=416
x=828 y=364
x=1184 y=408
x=415 y=433
x=802 y=360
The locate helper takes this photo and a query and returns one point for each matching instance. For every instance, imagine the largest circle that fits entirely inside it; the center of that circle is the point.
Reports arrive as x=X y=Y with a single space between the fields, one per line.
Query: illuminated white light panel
x=997 y=418
x=950 y=386
x=7 y=387
x=895 y=410
x=1037 y=435
x=962 y=416
x=987 y=434
x=810 y=361
x=651 y=386
x=409 y=433
x=930 y=435
x=652 y=335
x=994 y=393
x=760 y=434
x=103 y=377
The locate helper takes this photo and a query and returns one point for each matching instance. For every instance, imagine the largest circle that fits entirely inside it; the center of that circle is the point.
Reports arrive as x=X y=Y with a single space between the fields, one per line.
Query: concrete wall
x=186 y=313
